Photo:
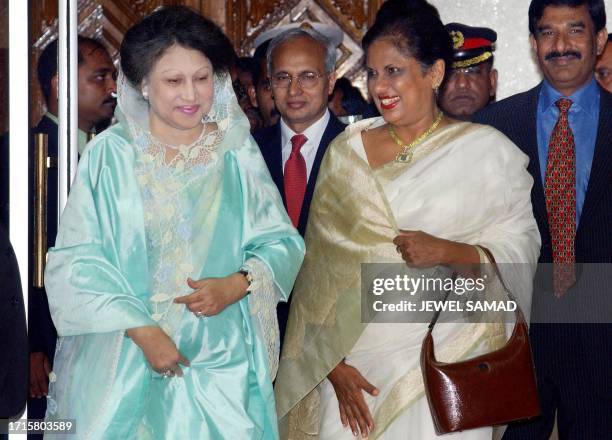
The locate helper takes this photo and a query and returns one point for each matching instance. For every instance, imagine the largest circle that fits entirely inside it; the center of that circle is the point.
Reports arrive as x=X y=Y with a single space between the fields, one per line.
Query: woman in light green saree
x=173 y=251
x=410 y=187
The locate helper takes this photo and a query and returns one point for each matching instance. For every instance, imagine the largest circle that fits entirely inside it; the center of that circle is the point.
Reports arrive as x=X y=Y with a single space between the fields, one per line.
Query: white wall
x=513 y=57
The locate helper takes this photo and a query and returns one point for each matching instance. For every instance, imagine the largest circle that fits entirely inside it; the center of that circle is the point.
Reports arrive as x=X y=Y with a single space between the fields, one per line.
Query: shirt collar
x=52 y=117
x=82 y=136
x=584 y=98
x=312 y=133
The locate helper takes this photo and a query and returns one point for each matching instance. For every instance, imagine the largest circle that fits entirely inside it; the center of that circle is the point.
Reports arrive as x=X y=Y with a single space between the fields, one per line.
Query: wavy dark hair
x=416 y=30
x=145 y=42
x=597 y=11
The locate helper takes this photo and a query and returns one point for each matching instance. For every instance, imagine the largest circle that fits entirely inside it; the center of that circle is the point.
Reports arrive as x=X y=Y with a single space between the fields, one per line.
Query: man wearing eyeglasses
x=301 y=65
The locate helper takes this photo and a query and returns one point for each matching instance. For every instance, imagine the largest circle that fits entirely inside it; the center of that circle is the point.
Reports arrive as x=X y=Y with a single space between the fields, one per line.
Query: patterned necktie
x=560 y=194
x=295 y=179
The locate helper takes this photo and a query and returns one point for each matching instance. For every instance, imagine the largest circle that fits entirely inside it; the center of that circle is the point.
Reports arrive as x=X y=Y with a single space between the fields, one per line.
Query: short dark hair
x=48 y=60
x=352 y=99
x=47 y=68
x=597 y=11
x=393 y=8
x=416 y=30
x=260 y=57
x=261 y=50
x=145 y=42
x=248 y=64
x=84 y=41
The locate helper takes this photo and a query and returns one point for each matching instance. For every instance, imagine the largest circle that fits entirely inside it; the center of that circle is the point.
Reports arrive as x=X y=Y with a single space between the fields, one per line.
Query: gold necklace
x=405 y=155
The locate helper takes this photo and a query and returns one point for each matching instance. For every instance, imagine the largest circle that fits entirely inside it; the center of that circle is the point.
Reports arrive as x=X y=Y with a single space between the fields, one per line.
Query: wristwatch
x=248 y=277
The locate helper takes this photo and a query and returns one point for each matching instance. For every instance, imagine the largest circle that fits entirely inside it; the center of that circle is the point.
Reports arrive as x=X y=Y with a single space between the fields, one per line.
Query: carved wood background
x=242 y=20
x=246 y=20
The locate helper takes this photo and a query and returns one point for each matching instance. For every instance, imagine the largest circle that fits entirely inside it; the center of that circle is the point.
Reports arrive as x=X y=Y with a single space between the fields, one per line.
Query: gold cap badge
x=458 y=39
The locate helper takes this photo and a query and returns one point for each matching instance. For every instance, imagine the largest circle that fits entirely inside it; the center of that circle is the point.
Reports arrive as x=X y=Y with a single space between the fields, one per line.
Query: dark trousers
x=36 y=410
x=573 y=383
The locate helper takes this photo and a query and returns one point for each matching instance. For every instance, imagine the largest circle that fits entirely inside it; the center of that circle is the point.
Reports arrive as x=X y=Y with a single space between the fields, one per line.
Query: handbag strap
x=436 y=315
x=518 y=312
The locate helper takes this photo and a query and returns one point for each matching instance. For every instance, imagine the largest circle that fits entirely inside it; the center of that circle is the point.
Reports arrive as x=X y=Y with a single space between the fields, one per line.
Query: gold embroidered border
x=472 y=61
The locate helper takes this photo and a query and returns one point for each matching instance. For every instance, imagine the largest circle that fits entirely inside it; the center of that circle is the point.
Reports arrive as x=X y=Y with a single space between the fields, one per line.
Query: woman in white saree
x=412 y=186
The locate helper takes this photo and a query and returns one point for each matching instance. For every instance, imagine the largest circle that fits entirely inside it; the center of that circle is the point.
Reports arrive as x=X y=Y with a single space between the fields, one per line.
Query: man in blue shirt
x=564 y=125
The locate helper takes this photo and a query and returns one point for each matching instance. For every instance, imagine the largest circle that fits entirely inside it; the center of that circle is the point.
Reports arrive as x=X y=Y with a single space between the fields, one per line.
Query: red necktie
x=295 y=179
x=560 y=194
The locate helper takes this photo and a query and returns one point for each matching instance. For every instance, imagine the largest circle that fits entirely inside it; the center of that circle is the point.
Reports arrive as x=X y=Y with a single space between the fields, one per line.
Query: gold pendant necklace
x=405 y=155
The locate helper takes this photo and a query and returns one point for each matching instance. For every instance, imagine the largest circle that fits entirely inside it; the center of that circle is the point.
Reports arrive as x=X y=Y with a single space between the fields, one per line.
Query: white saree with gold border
x=466 y=183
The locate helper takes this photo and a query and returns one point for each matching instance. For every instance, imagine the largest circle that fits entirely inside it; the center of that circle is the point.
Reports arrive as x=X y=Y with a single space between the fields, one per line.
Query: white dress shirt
x=314 y=133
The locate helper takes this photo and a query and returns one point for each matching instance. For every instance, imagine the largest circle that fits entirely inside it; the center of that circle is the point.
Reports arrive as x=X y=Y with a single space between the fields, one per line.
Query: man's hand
x=40 y=367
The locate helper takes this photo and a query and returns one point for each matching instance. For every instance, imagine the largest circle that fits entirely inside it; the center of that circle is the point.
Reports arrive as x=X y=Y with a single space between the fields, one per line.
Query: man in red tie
x=565 y=126
x=301 y=65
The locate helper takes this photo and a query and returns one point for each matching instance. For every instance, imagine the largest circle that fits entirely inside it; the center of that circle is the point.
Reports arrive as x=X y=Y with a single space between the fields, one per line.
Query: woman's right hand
x=159 y=349
x=349 y=386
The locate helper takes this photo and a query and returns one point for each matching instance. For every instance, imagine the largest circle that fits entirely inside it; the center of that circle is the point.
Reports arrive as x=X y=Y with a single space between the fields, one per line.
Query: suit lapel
x=528 y=135
x=334 y=127
x=274 y=158
x=599 y=180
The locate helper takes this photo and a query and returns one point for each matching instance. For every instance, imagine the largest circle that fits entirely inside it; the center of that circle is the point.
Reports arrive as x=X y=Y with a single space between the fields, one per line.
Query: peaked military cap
x=471 y=45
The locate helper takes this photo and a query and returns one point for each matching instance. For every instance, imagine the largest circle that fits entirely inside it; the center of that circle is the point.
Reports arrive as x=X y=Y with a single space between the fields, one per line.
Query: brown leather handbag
x=492 y=389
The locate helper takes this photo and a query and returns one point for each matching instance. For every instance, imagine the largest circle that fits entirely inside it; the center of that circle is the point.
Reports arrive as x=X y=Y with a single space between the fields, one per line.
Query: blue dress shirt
x=583 y=121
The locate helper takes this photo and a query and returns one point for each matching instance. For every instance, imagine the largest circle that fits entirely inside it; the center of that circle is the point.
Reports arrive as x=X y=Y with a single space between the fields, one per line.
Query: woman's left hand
x=213 y=295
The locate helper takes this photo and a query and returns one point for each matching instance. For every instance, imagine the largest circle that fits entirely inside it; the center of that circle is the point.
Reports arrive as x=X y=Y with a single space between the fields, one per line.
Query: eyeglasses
x=306 y=80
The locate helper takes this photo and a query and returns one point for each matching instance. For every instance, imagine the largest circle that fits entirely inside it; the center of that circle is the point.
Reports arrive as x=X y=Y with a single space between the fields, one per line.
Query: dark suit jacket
x=41 y=334
x=41 y=331
x=269 y=141
x=4 y=181
x=516 y=118
x=13 y=338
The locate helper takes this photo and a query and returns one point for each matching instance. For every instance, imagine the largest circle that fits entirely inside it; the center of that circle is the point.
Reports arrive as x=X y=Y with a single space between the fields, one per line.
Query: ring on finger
x=200 y=314
x=167 y=373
